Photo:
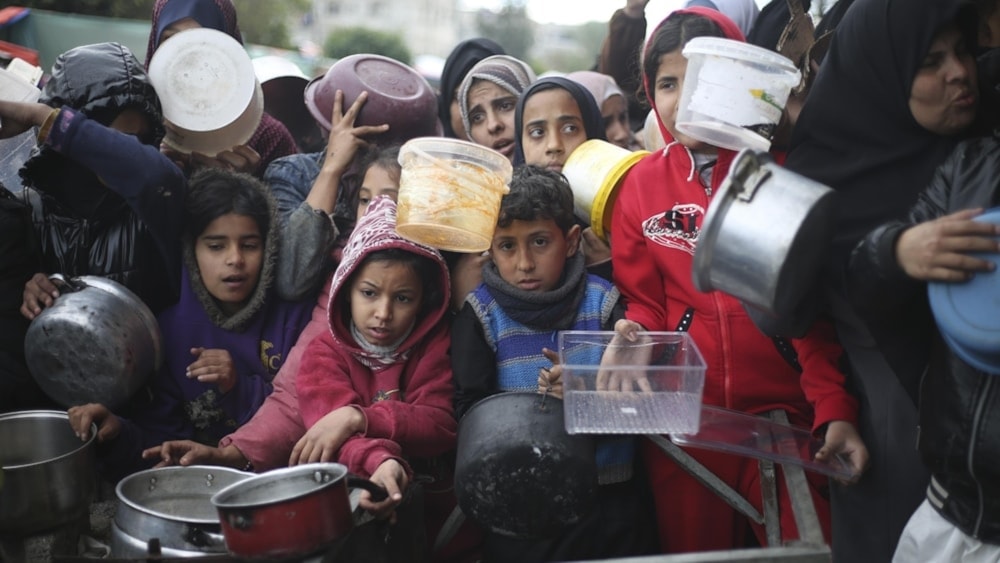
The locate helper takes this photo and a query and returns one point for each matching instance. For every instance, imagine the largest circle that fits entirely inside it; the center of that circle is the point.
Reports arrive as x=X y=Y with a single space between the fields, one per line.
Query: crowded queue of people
x=300 y=327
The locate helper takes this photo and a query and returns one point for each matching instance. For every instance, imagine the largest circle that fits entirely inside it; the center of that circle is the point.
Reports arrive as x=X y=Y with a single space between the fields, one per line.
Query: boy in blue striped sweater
x=503 y=339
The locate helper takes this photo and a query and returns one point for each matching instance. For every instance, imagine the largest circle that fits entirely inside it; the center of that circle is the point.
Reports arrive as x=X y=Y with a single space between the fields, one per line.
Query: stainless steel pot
x=173 y=505
x=49 y=477
x=96 y=344
x=765 y=236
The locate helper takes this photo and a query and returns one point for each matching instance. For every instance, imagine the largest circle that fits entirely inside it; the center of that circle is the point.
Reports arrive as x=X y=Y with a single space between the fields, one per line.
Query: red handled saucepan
x=289 y=512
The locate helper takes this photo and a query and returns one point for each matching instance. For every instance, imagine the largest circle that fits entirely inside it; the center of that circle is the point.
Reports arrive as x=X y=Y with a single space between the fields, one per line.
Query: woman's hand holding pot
x=83 y=416
x=390 y=475
x=39 y=293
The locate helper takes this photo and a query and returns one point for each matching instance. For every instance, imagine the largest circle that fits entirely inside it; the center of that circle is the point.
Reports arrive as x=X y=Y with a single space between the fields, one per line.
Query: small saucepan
x=289 y=512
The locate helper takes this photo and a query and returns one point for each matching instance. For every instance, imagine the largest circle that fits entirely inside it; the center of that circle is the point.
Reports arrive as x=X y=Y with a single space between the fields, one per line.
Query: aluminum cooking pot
x=289 y=512
x=518 y=473
x=173 y=505
x=49 y=477
x=765 y=236
x=96 y=344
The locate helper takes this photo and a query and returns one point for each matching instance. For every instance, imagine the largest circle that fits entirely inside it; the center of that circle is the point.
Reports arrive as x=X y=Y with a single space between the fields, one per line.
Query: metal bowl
x=49 y=475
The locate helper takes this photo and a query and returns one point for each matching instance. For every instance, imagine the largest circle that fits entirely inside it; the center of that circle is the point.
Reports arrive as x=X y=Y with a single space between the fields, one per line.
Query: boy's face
x=667 y=97
x=531 y=255
x=377 y=182
x=385 y=299
x=553 y=128
x=230 y=252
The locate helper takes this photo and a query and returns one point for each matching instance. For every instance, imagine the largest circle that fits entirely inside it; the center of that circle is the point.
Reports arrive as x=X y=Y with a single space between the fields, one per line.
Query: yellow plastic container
x=595 y=171
x=450 y=192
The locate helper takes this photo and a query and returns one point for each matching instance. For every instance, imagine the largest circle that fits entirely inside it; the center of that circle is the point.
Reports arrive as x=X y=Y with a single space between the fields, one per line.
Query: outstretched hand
x=82 y=417
x=940 y=250
x=18 y=117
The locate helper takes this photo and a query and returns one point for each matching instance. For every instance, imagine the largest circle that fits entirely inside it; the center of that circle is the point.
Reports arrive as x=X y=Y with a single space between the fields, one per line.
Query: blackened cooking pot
x=518 y=473
x=173 y=505
x=289 y=512
x=96 y=344
x=49 y=476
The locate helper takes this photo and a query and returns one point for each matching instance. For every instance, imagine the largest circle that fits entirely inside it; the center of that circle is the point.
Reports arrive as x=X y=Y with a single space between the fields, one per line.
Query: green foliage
x=509 y=27
x=352 y=40
x=266 y=22
x=130 y=9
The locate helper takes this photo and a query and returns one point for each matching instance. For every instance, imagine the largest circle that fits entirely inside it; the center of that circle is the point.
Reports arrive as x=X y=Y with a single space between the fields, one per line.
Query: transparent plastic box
x=613 y=386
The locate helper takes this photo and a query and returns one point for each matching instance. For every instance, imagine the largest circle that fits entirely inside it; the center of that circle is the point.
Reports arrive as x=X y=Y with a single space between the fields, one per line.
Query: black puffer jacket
x=959 y=405
x=102 y=202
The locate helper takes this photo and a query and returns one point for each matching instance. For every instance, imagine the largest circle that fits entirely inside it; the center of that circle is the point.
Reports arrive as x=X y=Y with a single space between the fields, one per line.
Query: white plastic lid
x=742 y=51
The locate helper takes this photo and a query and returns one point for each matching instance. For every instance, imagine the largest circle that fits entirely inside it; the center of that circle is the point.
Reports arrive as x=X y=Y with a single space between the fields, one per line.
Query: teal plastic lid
x=968 y=313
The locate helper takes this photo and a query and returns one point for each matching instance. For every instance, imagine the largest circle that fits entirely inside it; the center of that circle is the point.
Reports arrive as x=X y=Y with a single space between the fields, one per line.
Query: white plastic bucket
x=734 y=93
x=450 y=192
x=210 y=96
x=595 y=170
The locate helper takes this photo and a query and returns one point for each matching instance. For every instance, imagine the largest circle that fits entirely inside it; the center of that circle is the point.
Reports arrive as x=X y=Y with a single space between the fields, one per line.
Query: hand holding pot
x=213 y=366
x=321 y=442
x=39 y=293
x=550 y=379
x=189 y=452
x=391 y=476
x=81 y=417
x=939 y=250
x=18 y=117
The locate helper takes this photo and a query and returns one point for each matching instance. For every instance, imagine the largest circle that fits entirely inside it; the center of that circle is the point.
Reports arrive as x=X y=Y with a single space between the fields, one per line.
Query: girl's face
x=491 y=117
x=553 y=128
x=614 y=110
x=667 y=96
x=378 y=181
x=385 y=298
x=230 y=252
x=944 y=95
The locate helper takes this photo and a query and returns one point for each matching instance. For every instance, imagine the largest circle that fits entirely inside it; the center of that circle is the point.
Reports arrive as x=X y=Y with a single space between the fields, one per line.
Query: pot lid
x=968 y=313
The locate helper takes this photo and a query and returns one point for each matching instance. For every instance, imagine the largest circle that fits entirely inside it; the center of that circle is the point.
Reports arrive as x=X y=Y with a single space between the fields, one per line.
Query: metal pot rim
x=44 y=414
x=124 y=499
x=223 y=500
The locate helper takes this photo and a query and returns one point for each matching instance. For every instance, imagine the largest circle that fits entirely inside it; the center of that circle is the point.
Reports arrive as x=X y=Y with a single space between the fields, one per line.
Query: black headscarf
x=593 y=122
x=463 y=57
x=856 y=133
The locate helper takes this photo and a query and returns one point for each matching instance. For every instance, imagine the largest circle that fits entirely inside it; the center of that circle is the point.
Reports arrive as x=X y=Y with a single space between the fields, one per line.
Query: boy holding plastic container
x=534 y=286
x=657 y=219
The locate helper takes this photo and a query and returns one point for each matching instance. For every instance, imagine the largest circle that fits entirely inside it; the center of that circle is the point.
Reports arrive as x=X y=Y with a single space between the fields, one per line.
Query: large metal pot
x=48 y=473
x=96 y=344
x=289 y=512
x=173 y=505
x=765 y=236
x=518 y=473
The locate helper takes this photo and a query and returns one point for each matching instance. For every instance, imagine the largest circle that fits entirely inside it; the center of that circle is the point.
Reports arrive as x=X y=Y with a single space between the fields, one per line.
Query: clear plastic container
x=744 y=434
x=734 y=93
x=612 y=386
x=450 y=192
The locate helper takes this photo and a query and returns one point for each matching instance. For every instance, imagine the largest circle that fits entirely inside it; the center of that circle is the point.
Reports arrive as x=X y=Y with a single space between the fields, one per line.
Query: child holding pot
x=534 y=286
x=226 y=337
x=657 y=219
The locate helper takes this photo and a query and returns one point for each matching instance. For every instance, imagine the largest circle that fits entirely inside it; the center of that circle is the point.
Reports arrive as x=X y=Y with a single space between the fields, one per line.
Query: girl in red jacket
x=655 y=227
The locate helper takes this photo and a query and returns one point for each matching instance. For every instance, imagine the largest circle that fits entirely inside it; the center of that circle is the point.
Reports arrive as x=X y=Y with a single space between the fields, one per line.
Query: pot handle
x=377 y=492
x=200 y=538
x=65 y=284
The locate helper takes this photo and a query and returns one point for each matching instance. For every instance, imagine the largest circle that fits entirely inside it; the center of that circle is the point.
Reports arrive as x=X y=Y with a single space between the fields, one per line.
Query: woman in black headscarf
x=862 y=132
x=570 y=129
x=463 y=57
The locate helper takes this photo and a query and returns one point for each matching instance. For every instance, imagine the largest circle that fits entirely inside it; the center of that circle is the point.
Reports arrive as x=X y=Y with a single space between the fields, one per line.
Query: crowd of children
x=298 y=326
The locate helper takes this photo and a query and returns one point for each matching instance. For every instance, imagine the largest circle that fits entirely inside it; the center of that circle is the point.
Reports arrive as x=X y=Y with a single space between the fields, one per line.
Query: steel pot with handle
x=96 y=344
x=765 y=237
x=518 y=473
x=49 y=475
x=173 y=505
x=289 y=512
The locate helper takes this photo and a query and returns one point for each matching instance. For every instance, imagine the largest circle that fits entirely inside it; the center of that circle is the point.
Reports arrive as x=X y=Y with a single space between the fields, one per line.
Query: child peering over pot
x=534 y=286
x=223 y=341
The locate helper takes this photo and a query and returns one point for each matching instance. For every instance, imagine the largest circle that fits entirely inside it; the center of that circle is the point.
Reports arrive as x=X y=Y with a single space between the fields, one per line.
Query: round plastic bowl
x=595 y=170
x=450 y=192
x=734 y=93
x=968 y=314
x=210 y=96
x=397 y=95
